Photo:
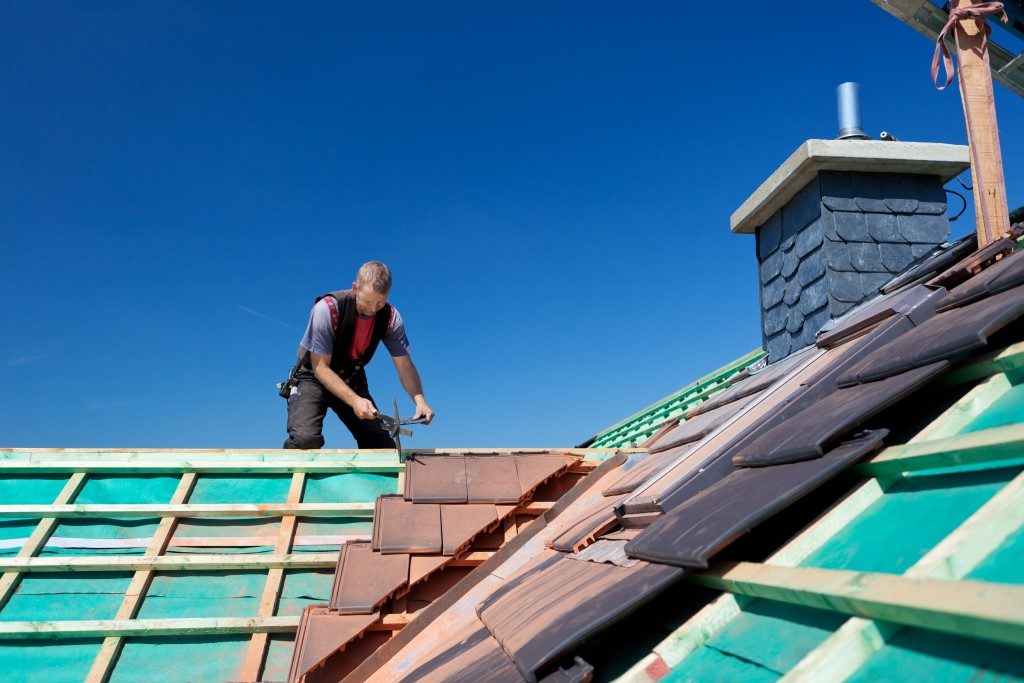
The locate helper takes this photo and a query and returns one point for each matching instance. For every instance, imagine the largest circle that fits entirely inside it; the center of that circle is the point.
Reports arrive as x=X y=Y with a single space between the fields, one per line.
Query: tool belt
x=349 y=375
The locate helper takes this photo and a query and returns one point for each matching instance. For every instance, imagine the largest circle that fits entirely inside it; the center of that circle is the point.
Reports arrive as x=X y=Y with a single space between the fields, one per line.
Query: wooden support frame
x=187 y=510
x=992 y=215
x=953 y=558
x=166 y=563
x=979 y=609
x=144 y=628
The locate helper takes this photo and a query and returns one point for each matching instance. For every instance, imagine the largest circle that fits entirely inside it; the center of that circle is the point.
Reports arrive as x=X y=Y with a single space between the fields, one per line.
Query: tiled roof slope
x=662 y=527
x=457 y=509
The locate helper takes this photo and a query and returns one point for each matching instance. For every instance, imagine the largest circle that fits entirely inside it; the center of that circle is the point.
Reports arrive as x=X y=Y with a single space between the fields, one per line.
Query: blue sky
x=550 y=182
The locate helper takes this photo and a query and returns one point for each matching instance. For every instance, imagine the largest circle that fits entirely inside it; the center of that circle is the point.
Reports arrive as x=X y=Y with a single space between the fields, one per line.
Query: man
x=344 y=330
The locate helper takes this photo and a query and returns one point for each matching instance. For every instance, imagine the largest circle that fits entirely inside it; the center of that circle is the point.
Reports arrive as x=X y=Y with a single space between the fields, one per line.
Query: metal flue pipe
x=848 y=101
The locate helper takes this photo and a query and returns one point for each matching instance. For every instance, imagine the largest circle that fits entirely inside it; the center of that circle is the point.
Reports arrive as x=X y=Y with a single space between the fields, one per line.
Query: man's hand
x=363 y=408
x=423 y=410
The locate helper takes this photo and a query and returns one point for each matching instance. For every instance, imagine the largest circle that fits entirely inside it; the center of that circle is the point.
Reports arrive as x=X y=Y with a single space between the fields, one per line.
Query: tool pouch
x=287 y=387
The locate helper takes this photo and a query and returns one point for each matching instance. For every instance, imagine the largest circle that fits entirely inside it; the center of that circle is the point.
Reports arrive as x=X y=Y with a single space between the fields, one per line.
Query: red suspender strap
x=332 y=306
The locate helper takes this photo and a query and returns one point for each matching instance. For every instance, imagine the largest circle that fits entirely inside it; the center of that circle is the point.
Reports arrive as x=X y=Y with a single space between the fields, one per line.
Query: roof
x=116 y=562
x=856 y=492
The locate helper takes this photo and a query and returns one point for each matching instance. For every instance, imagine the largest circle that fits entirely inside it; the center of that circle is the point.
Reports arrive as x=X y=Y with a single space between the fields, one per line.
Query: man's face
x=368 y=300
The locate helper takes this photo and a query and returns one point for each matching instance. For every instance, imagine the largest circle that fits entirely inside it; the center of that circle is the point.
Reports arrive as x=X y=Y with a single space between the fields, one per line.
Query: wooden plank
x=252 y=666
x=198 y=510
x=37 y=540
x=845 y=651
x=165 y=563
x=110 y=650
x=992 y=215
x=977 y=609
x=145 y=628
x=191 y=541
x=989 y=446
x=1009 y=359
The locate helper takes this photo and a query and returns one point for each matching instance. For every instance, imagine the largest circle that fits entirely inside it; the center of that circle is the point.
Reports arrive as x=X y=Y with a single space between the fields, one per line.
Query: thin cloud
x=267 y=317
x=28 y=359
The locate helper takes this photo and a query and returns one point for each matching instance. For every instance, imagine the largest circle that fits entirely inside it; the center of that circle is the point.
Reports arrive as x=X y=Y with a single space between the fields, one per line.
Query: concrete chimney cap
x=814 y=156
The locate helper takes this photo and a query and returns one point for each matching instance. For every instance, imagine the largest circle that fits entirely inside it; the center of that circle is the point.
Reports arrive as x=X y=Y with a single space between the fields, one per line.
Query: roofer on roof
x=343 y=332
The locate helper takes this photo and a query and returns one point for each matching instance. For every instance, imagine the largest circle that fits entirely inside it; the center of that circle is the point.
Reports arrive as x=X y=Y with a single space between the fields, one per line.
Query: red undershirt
x=361 y=336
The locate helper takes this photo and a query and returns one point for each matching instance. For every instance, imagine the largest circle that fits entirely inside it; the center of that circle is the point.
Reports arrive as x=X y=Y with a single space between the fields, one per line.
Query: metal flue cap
x=848 y=101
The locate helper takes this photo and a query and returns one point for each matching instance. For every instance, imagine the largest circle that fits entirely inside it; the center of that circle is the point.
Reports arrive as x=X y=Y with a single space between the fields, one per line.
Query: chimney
x=838 y=220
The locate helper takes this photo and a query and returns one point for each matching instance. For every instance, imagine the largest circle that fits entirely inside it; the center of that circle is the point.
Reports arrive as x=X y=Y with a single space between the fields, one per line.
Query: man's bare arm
x=411 y=381
x=362 y=407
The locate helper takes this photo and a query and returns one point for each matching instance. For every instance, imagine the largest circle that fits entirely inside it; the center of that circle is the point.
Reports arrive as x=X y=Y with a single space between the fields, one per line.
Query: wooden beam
x=992 y=215
x=252 y=666
x=845 y=651
x=989 y=446
x=110 y=650
x=965 y=608
x=166 y=563
x=145 y=628
x=197 y=510
x=44 y=529
x=1009 y=359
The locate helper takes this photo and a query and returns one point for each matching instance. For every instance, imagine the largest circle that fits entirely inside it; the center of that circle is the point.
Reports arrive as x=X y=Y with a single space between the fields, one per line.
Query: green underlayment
x=59 y=596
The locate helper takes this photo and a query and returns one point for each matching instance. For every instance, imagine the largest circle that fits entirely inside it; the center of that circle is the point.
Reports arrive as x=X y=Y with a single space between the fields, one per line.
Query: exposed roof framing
x=928 y=19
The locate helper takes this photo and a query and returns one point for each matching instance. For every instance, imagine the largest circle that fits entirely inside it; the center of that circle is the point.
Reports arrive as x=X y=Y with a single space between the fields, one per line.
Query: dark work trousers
x=308 y=406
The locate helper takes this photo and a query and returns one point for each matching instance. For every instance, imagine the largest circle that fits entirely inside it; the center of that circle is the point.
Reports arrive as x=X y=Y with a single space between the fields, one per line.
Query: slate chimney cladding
x=836 y=242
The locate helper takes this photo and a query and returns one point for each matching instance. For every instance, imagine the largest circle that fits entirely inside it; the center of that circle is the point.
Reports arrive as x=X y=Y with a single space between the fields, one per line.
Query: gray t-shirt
x=319 y=336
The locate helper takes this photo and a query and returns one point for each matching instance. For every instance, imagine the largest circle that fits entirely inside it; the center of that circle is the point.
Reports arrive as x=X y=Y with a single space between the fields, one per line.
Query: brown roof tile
x=534 y=470
x=322 y=631
x=492 y=479
x=364 y=578
x=435 y=479
x=545 y=611
x=472 y=655
x=460 y=523
x=403 y=527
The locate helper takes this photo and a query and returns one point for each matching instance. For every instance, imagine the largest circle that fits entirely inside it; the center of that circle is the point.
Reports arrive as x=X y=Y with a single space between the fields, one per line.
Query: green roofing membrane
x=764 y=641
x=47 y=661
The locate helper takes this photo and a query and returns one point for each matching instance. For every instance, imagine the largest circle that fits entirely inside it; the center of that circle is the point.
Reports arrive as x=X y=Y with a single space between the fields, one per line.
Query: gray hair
x=375 y=274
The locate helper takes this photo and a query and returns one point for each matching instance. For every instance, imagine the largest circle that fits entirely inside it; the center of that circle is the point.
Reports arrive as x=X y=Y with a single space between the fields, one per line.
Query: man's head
x=372 y=285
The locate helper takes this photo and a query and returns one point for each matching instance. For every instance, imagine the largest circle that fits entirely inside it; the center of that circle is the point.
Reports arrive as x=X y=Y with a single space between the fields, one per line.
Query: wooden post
x=990 y=207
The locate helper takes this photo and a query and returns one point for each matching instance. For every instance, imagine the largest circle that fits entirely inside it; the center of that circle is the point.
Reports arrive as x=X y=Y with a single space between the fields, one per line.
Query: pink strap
x=979 y=11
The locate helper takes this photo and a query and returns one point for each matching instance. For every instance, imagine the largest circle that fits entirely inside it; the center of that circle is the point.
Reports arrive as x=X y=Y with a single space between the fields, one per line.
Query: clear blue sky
x=550 y=182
